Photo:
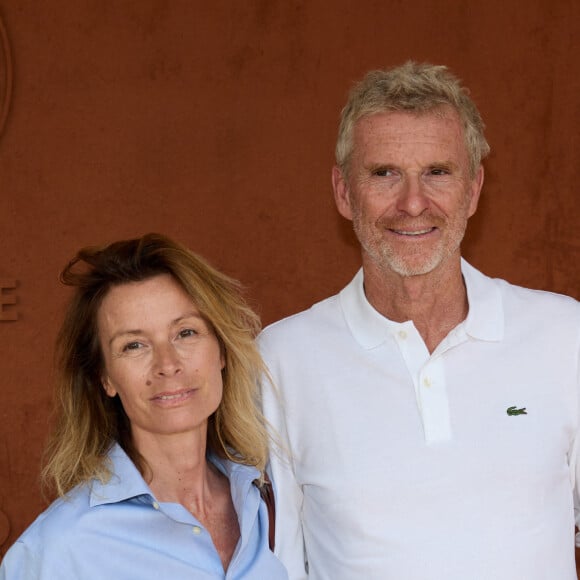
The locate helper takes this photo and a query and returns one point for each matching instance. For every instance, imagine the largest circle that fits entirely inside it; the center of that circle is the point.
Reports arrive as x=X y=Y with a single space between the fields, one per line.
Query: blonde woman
x=159 y=448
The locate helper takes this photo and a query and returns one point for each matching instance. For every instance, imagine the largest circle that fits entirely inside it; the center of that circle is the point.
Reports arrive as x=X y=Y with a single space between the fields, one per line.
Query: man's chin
x=410 y=266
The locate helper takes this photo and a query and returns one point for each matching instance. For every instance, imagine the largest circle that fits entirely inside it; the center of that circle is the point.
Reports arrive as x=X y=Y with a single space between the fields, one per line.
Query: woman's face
x=161 y=357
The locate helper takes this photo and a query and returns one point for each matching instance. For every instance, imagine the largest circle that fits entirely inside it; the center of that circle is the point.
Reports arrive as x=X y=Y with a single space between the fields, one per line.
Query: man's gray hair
x=416 y=88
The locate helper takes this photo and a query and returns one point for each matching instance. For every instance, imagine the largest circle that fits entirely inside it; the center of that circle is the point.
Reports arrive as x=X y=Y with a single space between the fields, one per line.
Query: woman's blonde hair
x=88 y=422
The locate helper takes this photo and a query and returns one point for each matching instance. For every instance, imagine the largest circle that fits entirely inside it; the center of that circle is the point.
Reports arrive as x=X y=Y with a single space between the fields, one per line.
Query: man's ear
x=108 y=387
x=476 y=186
x=341 y=193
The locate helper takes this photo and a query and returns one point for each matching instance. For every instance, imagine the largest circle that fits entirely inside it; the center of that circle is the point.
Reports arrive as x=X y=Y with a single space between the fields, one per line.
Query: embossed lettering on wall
x=5 y=75
x=4 y=527
x=8 y=300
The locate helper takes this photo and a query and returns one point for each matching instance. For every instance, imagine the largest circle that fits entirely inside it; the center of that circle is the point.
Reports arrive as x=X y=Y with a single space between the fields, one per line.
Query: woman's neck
x=181 y=473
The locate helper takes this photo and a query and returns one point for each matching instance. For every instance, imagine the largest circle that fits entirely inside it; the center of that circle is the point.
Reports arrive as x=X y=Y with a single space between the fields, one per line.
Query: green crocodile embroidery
x=515 y=411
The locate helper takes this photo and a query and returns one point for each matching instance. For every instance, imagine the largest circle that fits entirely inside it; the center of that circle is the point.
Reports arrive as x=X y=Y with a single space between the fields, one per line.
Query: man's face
x=409 y=192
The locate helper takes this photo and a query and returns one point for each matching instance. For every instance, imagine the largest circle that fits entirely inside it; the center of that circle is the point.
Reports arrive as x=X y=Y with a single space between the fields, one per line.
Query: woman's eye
x=132 y=346
x=187 y=332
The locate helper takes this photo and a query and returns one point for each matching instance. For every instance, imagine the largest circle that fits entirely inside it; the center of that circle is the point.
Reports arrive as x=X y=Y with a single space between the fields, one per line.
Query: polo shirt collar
x=485 y=320
x=367 y=325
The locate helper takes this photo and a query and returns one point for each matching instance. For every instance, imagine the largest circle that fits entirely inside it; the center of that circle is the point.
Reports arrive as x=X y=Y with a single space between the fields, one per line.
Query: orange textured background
x=214 y=122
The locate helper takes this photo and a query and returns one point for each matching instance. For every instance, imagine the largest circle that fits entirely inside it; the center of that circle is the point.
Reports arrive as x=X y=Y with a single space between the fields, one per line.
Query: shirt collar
x=126 y=482
x=485 y=319
x=241 y=477
x=367 y=325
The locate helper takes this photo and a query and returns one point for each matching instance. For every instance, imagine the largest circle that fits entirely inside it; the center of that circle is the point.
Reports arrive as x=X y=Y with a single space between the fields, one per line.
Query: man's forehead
x=435 y=136
x=438 y=126
x=416 y=117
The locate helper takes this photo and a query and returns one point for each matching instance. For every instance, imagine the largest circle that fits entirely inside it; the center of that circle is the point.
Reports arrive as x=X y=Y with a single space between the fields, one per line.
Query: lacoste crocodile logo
x=511 y=411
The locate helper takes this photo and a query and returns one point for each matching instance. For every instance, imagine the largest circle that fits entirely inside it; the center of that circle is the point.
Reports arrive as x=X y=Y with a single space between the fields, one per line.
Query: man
x=428 y=415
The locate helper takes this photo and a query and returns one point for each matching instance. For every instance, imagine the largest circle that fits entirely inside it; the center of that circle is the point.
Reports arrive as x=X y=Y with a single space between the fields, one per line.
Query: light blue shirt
x=119 y=530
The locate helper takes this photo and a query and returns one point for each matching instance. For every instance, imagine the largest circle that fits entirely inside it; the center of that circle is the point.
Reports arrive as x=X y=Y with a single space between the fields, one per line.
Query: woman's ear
x=109 y=389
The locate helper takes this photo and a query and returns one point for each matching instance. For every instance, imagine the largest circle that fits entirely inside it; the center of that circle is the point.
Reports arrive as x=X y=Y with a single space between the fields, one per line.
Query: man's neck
x=436 y=302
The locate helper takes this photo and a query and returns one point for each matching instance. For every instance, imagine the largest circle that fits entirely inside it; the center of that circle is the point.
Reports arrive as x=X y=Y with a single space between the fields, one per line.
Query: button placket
x=434 y=402
x=427 y=372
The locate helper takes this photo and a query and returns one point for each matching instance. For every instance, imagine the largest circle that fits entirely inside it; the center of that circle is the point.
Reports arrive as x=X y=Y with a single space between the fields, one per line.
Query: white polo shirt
x=459 y=465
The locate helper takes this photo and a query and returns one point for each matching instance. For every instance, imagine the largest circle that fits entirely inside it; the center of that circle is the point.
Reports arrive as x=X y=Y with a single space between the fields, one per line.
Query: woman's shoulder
x=59 y=519
x=54 y=529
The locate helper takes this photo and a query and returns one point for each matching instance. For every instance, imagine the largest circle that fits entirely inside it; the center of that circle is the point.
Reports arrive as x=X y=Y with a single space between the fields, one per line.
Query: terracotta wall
x=214 y=122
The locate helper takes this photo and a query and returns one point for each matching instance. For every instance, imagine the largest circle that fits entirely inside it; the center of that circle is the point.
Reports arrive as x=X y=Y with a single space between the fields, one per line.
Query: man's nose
x=412 y=199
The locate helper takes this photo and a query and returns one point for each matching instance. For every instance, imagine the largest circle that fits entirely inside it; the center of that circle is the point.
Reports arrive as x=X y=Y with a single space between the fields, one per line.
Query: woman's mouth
x=173 y=396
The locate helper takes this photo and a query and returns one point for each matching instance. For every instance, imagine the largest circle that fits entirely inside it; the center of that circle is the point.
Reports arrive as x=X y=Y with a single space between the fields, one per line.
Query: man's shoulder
x=316 y=317
x=531 y=298
x=535 y=301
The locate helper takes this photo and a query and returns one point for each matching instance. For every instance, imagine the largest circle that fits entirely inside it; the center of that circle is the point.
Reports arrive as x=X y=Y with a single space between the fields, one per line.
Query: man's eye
x=383 y=172
x=439 y=171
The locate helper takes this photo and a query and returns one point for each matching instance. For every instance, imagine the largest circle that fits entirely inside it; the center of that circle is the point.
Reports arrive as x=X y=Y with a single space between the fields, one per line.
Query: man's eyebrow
x=446 y=163
x=379 y=166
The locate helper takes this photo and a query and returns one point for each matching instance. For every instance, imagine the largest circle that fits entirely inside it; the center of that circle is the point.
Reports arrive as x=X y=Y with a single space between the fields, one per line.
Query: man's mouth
x=414 y=232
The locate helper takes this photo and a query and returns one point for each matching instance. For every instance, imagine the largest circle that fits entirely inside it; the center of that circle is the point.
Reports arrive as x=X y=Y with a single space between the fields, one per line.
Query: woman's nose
x=166 y=360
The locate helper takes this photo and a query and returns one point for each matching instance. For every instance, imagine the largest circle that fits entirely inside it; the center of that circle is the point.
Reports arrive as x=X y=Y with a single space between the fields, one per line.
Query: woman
x=158 y=445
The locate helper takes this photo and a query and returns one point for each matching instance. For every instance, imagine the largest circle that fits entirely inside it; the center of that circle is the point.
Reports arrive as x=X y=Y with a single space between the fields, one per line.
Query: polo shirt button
x=196 y=530
x=155 y=505
x=426 y=382
x=402 y=334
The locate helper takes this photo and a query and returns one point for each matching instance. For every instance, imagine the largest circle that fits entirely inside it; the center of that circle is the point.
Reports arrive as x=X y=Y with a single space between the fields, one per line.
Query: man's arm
x=575 y=473
x=289 y=536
